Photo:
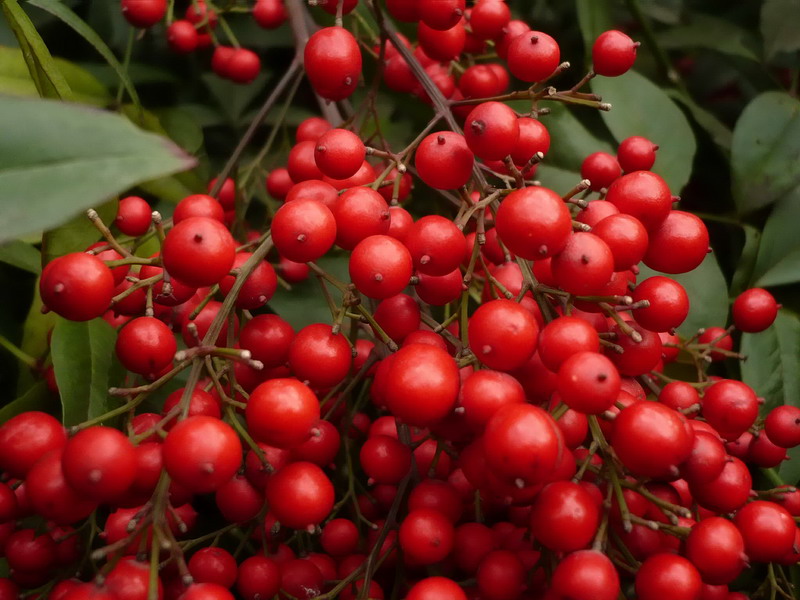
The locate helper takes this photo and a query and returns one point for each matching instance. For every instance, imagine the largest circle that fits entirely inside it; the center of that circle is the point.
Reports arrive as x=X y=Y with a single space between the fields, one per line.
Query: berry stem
x=18 y=353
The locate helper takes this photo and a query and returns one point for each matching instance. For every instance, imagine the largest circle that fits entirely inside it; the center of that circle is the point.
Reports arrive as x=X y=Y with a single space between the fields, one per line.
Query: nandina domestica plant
x=347 y=354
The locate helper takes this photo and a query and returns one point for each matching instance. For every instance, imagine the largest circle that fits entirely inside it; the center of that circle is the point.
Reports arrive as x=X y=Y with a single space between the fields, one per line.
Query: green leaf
x=778 y=259
x=15 y=79
x=766 y=148
x=707 y=291
x=233 y=99
x=77 y=234
x=34 y=336
x=719 y=132
x=63 y=12
x=779 y=19
x=48 y=178
x=594 y=17
x=559 y=180
x=639 y=107
x=49 y=80
x=571 y=141
x=82 y=358
x=305 y=304
x=728 y=38
x=182 y=128
x=37 y=397
x=747 y=260
x=772 y=367
x=21 y=255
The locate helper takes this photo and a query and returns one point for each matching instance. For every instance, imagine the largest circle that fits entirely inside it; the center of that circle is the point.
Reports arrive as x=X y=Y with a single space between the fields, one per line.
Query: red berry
x=444 y=160
x=730 y=407
x=625 y=236
x=182 y=37
x=300 y=495
x=601 y=169
x=503 y=334
x=783 y=426
x=588 y=382
x=584 y=266
x=380 y=266
x=768 y=530
x=426 y=536
x=534 y=223
x=312 y=129
x=282 y=412
x=716 y=548
x=586 y=574
x=488 y=18
x=134 y=216
x=339 y=153
x=492 y=130
x=441 y=14
x=243 y=66
x=669 y=303
x=754 y=310
x=533 y=56
x=146 y=346
x=333 y=62
x=143 y=13
x=667 y=576
x=643 y=195
x=303 y=230
x=359 y=212
x=270 y=14
x=199 y=251
x=636 y=153
x=613 y=53
x=99 y=463
x=213 y=565
x=678 y=245
x=77 y=286
x=202 y=453
x=259 y=577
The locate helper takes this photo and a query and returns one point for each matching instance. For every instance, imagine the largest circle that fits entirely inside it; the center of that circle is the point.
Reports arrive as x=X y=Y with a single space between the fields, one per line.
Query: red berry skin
x=588 y=382
x=716 y=548
x=533 y=56
x=442 y=46
x=586 y=574
x=564 y=517
x=143 y=13
x=259 y=577
x=404 y=10
x=613 y=53
x=220 y=59
x=213 y=565
x=303 y=230
x=243 y=66
x=339 y=153
x=643 y=195
x=728 y=492
x=651 y=440
x=199 y=251
x=731 y=407
x=768 y=530
x=422 y=384
x=359 y=212
x=492 y=130
x=300 y=495
x=312 y=129
x=436 y=588
x=441 y=14
x=333 y=62
x=601 y=169
x=436 y=245
x=27 y=552
x=625 y=236
x=99 y=463
x=134 y=216
x=668 y=576
x=270 y=14
x=563 y=337
x=444 y=160
x=319 y=356
x=426 y=536
x=380 y=266
x=533 y=138
x=669 y=303
x=77 y=286
x=182 y=37
x=534 y=223
x=678 y=245
x=638 y=358
x=206 y=591
x=636 y=153
x=268 y=338
x=488 y=18
x=331 y=6
x=503 y=334
x=584 y=266
x=782 y=425
x=282 y=412
x=202 y=453
x=754 y=310
x=50 y=494
x=146 y=346
x=514 y=436
x=27 y=437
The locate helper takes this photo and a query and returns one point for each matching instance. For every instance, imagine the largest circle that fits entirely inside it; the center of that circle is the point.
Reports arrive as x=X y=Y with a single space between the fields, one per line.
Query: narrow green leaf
x=21 y=255
x=766 y=148
x=182 y=128
x=772 y=367
x=82 y=359
x=34 y=336
x=639 y=107
x=779 y=19
x=49 y=80
x=77 y=234
x=558 y=180
x=778 y=259
x=37 y=397
x=728 y=38
x=63 y=12
x=707 y=291
x=15 y=79
x=47 y=179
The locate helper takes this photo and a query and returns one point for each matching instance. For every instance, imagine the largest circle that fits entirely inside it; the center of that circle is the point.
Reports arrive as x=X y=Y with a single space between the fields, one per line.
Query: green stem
x=23 y=357
x=126 y=63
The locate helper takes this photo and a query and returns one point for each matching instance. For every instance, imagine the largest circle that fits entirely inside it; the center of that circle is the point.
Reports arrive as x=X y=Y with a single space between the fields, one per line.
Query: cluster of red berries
x=522 y=442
